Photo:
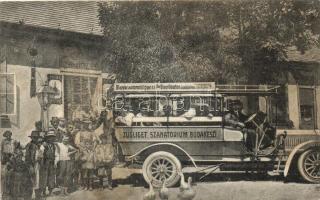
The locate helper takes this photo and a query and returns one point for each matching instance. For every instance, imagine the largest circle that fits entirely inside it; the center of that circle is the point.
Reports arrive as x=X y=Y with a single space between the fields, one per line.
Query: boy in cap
x=65 y=166
x=47 y=171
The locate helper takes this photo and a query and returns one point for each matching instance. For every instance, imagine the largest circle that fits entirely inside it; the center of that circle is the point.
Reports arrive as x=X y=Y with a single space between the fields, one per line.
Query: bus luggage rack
x=247 y=89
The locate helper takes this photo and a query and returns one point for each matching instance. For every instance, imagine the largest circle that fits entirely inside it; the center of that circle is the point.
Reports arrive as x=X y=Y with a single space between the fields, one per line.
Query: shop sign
x=55 y=81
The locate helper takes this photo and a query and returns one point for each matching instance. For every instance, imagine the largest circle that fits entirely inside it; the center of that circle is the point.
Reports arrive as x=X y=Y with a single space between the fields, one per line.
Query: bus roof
x=164 y=87
x=164 y=96
x=194 y=88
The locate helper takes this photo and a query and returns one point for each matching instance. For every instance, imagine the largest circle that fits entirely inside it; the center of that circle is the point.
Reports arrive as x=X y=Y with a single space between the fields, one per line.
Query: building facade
x=65 y=51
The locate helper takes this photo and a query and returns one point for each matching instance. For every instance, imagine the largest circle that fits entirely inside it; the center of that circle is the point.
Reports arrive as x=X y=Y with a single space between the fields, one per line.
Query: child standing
x=104 y=160
x=65 y=164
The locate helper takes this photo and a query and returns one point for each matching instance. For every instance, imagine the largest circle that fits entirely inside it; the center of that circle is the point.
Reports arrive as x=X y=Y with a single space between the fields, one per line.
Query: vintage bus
x=165 y=127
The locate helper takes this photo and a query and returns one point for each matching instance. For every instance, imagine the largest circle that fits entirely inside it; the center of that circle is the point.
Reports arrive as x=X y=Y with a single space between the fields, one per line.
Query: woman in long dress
x=85 y=141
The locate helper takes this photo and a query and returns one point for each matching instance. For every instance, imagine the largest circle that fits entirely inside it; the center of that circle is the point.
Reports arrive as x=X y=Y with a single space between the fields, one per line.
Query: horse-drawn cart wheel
x=159 y=166
x=309 y=165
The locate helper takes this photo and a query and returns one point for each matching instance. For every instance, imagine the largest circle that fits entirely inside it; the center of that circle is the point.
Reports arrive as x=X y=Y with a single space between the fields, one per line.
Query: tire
x=309 y=165
x=161 y=165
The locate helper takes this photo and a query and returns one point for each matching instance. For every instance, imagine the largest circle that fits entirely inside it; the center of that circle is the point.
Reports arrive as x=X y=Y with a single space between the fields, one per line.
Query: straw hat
x=50 y=133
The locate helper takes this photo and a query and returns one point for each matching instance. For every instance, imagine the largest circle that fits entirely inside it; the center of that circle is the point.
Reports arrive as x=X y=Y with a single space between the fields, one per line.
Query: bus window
x=149 y=110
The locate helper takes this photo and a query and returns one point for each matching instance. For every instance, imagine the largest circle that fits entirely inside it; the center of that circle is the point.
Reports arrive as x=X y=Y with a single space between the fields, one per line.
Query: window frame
x=79 y=75
x=14 y=94
x=315 y=126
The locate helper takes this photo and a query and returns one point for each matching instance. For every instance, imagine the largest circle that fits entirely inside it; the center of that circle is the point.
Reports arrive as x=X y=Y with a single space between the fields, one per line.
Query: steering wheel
x=251 y=118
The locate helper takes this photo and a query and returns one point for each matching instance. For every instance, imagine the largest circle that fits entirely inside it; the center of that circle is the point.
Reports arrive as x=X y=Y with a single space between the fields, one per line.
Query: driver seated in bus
x=235 y=118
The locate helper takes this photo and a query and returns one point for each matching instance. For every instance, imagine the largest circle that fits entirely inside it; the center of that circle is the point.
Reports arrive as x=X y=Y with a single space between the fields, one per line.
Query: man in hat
x=8 y=147
x=47 y=171
x=235 y=118
x=33 y=159
x=56 y=127
x=65 y=165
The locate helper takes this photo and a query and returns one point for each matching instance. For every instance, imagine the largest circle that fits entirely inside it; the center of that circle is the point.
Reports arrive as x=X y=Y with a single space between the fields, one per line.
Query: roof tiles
x=80 y=16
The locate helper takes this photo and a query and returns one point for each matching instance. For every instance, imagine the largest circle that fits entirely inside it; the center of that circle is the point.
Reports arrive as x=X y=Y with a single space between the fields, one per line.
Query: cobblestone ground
x=130 y=186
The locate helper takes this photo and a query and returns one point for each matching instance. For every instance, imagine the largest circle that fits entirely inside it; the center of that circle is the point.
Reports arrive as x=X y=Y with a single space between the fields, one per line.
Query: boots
x=37 y=194
x=66 y=191
x=101 y=183
x=50 y=192
x=86 y=184
x=90 y=184
x=109 y=176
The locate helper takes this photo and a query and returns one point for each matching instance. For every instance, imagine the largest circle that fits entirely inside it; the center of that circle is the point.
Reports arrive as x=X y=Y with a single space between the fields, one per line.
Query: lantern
x=44 y=94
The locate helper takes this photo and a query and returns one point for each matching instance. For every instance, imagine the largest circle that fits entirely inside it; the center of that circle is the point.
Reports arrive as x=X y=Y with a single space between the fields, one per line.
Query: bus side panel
x=200 y=142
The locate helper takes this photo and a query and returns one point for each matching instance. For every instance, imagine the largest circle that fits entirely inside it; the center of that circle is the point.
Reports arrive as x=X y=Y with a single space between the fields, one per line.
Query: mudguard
x=164 y=144
x=301 y=147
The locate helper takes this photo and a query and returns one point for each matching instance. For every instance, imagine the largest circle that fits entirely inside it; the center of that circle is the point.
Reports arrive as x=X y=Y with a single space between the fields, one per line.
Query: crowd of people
x=67 y=157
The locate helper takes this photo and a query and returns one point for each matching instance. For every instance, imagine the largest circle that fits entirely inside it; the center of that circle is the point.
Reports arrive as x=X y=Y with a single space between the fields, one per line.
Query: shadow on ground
x=136 y=180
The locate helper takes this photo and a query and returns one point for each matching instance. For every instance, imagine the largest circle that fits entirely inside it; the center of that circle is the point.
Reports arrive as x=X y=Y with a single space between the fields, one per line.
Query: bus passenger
x=125 y=118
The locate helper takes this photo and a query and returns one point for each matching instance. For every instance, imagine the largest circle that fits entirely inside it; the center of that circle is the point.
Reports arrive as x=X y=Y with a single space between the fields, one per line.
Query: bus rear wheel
x=309 y=165
x=160 y=166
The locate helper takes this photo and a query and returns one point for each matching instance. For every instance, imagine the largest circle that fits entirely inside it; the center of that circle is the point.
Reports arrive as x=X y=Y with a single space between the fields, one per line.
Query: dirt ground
x=129 y=185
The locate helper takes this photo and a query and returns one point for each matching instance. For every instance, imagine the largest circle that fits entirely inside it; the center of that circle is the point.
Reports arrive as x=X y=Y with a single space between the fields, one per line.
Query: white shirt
x=63 y=151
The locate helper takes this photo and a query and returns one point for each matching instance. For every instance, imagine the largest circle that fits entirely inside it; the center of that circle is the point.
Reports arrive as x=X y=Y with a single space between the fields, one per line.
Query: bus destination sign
x=164 y=87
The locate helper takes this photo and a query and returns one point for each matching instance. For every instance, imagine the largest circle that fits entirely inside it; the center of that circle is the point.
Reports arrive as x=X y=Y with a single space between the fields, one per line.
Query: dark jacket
x=233 y=119
x=31 y=150
x=49 y=152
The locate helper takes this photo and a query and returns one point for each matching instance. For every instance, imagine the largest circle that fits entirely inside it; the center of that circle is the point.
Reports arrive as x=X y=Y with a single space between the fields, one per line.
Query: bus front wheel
x=309 y=165
x=160 y=166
